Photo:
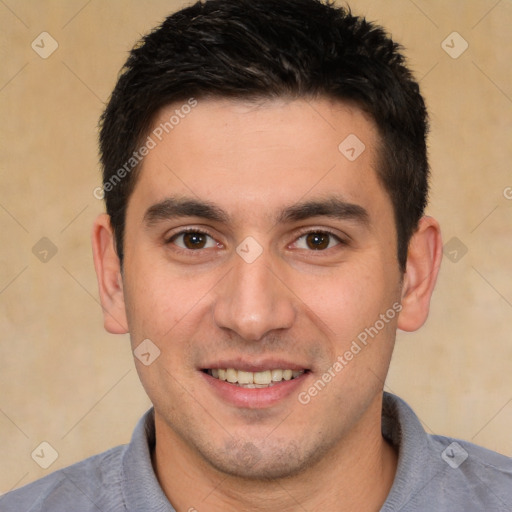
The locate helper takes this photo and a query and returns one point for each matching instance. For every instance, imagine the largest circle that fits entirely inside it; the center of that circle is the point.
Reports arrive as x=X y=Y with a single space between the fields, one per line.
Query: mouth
x=254 y=380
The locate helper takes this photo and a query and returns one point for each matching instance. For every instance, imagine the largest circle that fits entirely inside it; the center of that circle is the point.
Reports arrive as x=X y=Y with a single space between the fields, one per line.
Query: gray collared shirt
x=434 y=473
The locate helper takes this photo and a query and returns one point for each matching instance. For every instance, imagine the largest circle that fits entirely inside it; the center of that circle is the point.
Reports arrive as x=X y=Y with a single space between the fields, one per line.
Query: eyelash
x=169 y=240
x=341 y=241
x=309 y=231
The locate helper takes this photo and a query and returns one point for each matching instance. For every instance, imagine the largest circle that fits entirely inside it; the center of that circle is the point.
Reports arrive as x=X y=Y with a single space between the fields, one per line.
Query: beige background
x=65 y=381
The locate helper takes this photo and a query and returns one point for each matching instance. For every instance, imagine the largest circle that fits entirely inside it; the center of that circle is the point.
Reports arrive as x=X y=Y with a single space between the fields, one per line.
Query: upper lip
x=255 y=366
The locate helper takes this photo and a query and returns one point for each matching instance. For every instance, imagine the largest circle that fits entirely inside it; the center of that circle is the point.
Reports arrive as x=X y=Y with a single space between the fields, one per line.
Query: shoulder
x=442 y=473
x=484 y=475
x=89 y=485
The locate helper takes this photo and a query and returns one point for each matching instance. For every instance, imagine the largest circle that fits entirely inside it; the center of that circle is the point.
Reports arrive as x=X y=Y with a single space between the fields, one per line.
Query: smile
x=262 y=379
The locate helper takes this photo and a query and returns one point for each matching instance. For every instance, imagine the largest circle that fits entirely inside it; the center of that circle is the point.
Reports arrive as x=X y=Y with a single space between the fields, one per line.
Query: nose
x=253 y=301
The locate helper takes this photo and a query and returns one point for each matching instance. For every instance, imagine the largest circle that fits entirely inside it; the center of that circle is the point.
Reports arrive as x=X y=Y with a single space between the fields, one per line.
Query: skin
x=294 y=303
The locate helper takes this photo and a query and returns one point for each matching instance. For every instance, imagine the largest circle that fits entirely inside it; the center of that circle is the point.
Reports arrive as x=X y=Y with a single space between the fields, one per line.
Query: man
x=265 y=177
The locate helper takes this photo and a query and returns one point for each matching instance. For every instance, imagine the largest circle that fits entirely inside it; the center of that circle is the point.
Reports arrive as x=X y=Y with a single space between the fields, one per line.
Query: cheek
x=161 y=300
x=345 y=300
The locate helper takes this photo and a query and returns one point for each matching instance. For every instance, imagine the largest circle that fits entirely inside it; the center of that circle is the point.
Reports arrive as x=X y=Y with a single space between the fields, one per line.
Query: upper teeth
x=263 y=378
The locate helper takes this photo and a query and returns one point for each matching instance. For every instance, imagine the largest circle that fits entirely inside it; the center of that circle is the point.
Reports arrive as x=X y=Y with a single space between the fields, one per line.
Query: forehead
x=247 y=155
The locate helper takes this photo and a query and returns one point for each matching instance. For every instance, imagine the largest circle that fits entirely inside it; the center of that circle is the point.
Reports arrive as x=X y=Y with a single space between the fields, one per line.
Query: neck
x=357 y=475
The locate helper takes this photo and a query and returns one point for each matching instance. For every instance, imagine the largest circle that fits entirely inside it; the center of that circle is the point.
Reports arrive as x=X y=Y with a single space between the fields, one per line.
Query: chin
x=247 y=461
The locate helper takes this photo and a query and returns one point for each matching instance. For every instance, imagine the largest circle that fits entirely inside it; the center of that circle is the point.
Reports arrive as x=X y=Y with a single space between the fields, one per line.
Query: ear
x=423 y=261
x=108 y=272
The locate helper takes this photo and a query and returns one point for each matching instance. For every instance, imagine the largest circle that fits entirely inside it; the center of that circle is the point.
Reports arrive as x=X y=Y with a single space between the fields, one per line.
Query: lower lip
x=255 y=398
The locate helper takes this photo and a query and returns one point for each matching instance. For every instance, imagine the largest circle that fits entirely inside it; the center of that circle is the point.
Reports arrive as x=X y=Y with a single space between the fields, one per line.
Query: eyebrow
x=175 y=207
x=330 y=207
x=335 y=207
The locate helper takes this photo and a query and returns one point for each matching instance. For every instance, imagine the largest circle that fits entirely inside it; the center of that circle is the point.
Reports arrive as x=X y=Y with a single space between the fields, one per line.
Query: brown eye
x=193 y=240
x=318 y=241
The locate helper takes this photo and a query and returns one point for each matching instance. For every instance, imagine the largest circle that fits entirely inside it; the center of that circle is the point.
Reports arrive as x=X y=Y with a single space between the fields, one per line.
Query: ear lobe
x=423 y=261
x=108 y=272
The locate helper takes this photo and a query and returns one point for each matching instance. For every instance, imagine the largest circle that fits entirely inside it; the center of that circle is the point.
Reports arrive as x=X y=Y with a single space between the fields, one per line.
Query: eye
x=193 y=240
x=317 y=241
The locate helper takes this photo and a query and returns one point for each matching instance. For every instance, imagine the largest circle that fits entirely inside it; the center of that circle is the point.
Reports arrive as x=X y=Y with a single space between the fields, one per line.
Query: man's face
x=254 y=243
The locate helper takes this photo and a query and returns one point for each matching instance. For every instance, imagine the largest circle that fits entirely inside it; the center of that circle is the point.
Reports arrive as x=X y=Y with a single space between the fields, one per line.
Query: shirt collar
x=400 y=426
x=142 y=492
